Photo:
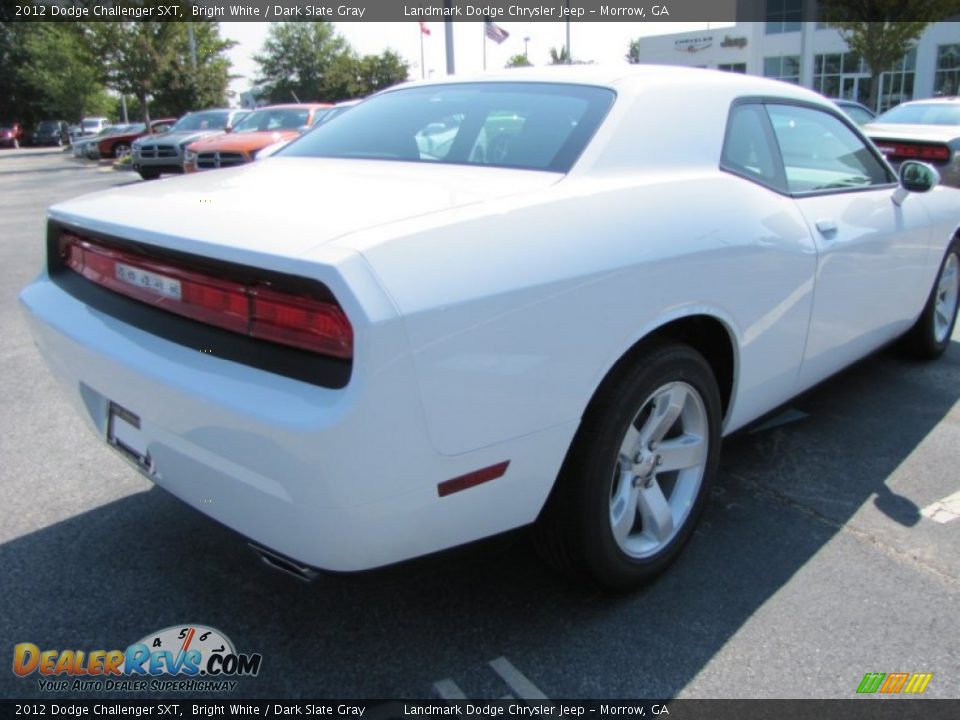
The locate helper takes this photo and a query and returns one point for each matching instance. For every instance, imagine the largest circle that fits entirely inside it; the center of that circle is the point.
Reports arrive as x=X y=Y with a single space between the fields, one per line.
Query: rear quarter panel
x=517 y=309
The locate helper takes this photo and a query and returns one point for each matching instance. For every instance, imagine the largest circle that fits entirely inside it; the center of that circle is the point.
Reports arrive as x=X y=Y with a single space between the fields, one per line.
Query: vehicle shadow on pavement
x=105 y=578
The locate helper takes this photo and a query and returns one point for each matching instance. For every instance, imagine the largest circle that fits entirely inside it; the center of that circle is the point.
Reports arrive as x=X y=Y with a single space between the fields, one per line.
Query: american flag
x=495 y=32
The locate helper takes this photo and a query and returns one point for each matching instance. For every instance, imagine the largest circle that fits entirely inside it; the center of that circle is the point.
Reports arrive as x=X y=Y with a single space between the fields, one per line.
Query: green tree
x=62 y=72
x=559 y=57
x=633 y=52
x=883 y=31
x=19 y=100
x=519 y=60
x=300 y=61
x=377 y=72
x=182 y=86
x=135 y=56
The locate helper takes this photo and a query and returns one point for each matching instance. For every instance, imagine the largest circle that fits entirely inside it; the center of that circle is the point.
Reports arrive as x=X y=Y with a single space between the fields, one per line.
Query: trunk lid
x=287 y=206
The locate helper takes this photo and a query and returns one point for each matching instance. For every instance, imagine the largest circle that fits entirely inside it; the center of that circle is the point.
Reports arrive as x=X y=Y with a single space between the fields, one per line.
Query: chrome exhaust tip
x=284 y=564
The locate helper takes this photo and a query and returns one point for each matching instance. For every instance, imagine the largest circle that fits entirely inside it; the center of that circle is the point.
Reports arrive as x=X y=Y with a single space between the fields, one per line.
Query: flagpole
x=423 y=68
x=484 y=26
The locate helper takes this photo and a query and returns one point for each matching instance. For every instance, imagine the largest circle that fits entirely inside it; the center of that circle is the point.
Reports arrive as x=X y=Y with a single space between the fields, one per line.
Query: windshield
x=533 y=126
x=48 y=126
x=209 y=120
x=86 y=124
x=922 y=114
x=270 y=119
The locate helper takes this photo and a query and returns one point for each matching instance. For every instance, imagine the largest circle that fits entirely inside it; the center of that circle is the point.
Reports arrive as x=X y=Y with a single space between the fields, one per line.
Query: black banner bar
x=894 y=708
x=389 y=10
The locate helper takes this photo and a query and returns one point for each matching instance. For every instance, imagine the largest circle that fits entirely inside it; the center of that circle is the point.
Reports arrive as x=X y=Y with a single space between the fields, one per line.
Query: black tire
x=574 y=532
x=922 y=340
x=120 y=149
x=149 y=174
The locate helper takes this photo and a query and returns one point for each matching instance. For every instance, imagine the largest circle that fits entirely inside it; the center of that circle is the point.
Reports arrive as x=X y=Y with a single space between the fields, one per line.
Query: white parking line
x=517 y=681
x=449 y=690
x=945 y=510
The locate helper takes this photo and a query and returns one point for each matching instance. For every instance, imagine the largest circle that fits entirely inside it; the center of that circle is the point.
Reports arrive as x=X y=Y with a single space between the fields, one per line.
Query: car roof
x=633 y=78
x=951 y=99
x=293 y=106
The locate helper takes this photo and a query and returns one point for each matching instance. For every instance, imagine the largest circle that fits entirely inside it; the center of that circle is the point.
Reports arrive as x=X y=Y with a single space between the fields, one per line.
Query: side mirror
x=915 y=177
x=302 y=129
x=918 y=177
x=228 y=128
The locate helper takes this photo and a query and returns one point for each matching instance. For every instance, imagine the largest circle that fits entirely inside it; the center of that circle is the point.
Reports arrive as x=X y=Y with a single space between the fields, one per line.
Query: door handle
x=827 y=228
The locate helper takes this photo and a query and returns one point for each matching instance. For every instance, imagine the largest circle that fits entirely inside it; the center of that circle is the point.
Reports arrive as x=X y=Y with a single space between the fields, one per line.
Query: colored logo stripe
x=892 y=683
x=871 y=682
x=918 y=683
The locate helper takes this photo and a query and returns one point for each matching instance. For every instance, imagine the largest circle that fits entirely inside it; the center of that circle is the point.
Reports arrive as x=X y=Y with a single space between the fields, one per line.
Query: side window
x=821 y=153
x=747 y=148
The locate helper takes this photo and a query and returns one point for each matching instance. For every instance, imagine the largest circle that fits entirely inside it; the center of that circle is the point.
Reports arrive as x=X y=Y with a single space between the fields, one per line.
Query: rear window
x=211 y=120
x=923 y=114
x=533 y=126
x=274 y=119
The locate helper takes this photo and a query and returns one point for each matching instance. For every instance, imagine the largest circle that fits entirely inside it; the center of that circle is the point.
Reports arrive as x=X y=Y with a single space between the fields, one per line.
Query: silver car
x=155 y=155
x=925 y=130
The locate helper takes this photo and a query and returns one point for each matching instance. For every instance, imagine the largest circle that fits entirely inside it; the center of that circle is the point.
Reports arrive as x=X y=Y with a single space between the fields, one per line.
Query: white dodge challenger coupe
x=473 y=304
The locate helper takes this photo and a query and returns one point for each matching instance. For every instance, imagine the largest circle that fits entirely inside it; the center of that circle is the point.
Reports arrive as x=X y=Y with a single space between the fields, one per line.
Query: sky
x=602 y=42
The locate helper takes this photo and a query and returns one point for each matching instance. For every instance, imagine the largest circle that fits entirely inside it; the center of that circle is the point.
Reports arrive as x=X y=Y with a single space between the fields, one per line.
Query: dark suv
x=52 y=132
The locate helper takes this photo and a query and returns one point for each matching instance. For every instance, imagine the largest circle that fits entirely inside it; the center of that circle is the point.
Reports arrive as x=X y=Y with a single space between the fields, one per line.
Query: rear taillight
x=295 y=318
x=898 y=151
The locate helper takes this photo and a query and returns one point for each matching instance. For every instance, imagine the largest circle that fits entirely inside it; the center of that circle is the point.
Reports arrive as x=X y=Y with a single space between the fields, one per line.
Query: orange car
x=259 y=129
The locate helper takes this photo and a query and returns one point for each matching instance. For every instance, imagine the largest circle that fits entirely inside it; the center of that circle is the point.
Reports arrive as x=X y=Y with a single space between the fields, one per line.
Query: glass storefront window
x=946 y=79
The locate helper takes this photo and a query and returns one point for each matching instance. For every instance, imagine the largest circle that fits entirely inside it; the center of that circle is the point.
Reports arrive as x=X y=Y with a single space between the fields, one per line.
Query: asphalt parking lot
x=815 y=562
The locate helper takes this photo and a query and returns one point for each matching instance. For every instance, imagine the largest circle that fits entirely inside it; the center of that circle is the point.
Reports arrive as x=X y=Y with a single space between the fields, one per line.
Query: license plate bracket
x=124 y=433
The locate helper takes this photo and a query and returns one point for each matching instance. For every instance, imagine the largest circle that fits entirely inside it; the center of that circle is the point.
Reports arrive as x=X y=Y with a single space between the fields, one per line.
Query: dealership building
x=814 y=55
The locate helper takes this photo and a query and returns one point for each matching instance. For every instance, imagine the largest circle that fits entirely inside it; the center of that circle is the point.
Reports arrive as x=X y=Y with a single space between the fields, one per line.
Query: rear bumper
x=342 y=479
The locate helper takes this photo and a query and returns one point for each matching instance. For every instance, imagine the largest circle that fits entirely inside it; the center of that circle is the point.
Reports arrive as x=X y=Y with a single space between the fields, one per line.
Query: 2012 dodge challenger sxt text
x=469 y=305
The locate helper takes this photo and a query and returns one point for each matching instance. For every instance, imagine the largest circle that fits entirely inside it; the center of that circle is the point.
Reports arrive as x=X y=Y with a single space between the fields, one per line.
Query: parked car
x=11 y=134
x=355 y=354
x=52 y=132
x=264 y=126
x=117 y=145
x=926 y=130
x=89 y=147
x=90 y=126
x=859 y=113
x=337 y=110
x=153 y=156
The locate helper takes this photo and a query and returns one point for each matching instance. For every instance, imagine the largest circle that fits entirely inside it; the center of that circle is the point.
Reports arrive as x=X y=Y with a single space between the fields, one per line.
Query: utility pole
x=193 y=46
x=448 y=37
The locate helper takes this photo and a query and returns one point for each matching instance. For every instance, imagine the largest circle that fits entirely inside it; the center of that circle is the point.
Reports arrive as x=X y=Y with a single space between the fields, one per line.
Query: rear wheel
x=930 y=336
x=121 y=150
x=639 y=471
